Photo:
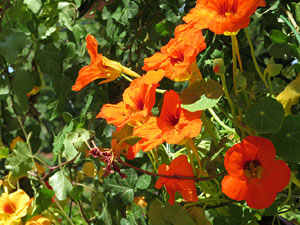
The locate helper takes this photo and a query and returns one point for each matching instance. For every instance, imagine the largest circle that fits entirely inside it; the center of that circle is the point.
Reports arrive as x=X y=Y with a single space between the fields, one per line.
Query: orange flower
x=223 y=16
x=138 y=100
x=174 y=125
x=254 y=175
x=38 y=220
x=180 y=167
x=13 y=206
x=100 y=67
x=176 y=57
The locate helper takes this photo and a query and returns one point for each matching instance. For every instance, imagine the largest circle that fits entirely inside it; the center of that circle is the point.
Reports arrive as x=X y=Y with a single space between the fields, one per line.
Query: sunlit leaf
x=60 y=184
x=290 y=95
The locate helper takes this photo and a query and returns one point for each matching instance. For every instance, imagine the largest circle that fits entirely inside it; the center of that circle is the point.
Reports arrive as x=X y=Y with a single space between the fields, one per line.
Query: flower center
x=253 y=169
x=9 y=207
x=227 y=8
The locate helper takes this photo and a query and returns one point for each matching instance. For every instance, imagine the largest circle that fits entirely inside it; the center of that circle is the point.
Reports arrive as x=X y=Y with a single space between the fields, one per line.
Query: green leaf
x=43 y=199
x=143 y=182
x=49 y=59
x=4 y=86
x=12 y=42
x=265 y=116
x=33 y=5
x=105 y=216
x=297 y=12
x=59 y=139
x=198 y=216
x=201 y=95
x=273 y=69
x=66 y=14
x=277 y=36
x=19 y=162
x=155 y=213
x=76 y=193
x=287 y=139
x=3 y=152
x=22 y=83
x=177 y=215
x=123 y=188
x=60 y=184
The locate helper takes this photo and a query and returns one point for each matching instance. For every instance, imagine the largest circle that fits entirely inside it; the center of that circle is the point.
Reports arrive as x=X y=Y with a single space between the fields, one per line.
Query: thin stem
x=227 y=94
x=191 y=160
x=292 y=28
x=169 y=176
x=234 y=64
x=237 y=51
x=254 y=58
x=208 y=125
x=288 y=195
x=160 y=91
x=62 y=210
x=192 y=145
x=215 y=116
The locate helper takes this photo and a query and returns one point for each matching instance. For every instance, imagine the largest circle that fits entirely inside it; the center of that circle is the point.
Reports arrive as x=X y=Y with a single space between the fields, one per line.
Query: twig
x=169 y=176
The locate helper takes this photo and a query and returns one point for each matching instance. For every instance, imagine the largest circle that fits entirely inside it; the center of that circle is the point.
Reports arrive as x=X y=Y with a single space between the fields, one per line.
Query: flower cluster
x=254 y=175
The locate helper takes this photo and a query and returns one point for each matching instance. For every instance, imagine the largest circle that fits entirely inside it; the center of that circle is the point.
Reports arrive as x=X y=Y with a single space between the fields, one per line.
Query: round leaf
x=287 y=139
x=143 y=182
x=265 y=116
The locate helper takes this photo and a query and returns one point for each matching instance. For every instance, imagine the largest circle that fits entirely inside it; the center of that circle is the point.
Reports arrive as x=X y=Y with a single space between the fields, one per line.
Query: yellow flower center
x=253 y=169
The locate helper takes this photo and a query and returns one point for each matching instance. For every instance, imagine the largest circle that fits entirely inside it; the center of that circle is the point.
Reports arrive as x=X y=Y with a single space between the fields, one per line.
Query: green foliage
x=19 y=161
x=265 y=116
x=61 y=185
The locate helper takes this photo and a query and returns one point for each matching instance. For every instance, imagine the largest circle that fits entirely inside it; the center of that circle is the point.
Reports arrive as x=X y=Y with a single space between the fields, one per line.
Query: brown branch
x=169 y=176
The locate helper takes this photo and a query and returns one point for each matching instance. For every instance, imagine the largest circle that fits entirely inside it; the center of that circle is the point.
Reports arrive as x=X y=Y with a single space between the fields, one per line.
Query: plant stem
x=227 y=95
x=208 y=125
x=169 y=176
x=215 y=116
x=254 y=58
x=234 y=64
x=237 y=51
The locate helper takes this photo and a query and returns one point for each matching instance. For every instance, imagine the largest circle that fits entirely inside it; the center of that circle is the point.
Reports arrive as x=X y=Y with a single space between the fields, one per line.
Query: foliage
x=74 y=165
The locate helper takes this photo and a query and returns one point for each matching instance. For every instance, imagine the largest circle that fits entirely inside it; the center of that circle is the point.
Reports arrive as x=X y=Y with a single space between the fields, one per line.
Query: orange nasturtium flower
x=180 y=167
x=100 y=67
x=223 y=16
x=254 y=175
x=174 y=125
x=38 y=220
x=13 y=206
x=138 y=100
x=176 y=57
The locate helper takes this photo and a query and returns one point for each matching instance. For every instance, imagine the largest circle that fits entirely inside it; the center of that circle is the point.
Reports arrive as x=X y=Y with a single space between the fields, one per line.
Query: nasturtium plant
x=149 y=112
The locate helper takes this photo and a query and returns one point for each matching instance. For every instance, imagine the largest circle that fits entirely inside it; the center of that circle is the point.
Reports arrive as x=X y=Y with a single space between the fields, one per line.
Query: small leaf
x=89 y=169
x=3 y=152
x=60 y=184
x=43 y=199
x=19 y=162
x=290 y=95
x=273 y=69
x=265 y=116
x=287 y=139
x=198 y=216
x=177 y=215
x=143 y=182
x=155 y=213
x=12 y=42
x=76 y=193
x=201 y=95
x=34 y=5
x=277 y=36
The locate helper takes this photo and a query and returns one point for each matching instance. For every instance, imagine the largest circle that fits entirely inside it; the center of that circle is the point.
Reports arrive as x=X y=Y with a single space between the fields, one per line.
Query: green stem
x=254 y=58
x=227 y=94
x=288 y=196
x=292 y=27
x=191 y=160
x=208 y=125
x=234 y=64
x=220 y=122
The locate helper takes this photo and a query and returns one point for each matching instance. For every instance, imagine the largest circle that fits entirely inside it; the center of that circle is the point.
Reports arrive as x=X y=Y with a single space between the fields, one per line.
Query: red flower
x=174 y=125
x=181 y=167
x=176 y=57
x=138 y=100
x=254 y=175
x=223 y=16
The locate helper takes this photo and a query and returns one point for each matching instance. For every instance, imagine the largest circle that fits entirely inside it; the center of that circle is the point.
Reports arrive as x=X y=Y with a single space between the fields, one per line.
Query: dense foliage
x=238 y=100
